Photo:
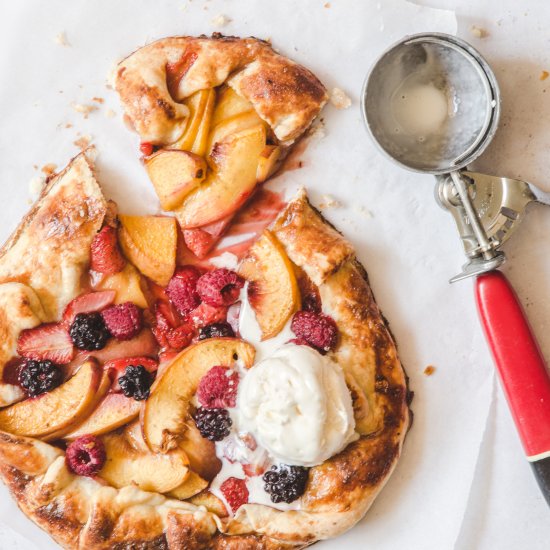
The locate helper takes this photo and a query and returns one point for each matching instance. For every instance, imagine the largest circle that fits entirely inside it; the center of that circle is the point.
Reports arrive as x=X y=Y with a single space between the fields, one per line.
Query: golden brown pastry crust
x=85 y=514
x=286 y=95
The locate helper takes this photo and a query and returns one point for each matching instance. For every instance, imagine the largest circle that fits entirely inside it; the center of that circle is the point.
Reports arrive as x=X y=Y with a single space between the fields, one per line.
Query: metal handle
x=521 y=367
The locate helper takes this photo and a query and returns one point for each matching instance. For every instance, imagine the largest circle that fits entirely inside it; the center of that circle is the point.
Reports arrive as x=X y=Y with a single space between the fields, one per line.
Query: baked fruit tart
x=154 y=398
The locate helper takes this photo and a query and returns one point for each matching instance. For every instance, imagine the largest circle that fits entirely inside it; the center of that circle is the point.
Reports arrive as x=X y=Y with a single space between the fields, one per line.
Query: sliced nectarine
x=174 y=175
x=200 y=451
x=201 y=139
x=273 y=291
x=127 y=284
x=149 y=471
x=229 y=104
x=232 y=125
x=57 y=410
x=190 y=487
x=166 y=413
x=113 y=411
x=269 y=162
x=226 y=188
x=149 y=242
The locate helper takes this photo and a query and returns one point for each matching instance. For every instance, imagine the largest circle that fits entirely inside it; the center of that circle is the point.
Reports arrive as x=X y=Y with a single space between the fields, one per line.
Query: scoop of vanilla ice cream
x=297 y=405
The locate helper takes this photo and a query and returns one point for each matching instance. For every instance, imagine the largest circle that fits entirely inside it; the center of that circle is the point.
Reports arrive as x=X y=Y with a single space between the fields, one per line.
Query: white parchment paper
x=408 y=245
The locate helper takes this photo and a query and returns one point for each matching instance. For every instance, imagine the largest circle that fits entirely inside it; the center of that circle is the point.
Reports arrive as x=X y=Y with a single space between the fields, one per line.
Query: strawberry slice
x=119 y=367
x=50 y=341
x=202 y=239
x=105 y=253
x=205 y=314
x=86 y=303
x=170 y=332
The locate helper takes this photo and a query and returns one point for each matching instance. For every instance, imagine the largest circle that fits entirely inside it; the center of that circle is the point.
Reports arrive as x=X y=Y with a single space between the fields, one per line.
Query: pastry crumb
x=36 y=185
x=83 y=108
x=68 y=125
x=109 y=113
x=429 y=370
x=221 y=20
x=61 y=39
x=478 y=32
x=317 y=131
x=326 y=5
x=83 y=142
x=544 y=75
x=339 y=98
x=49 y=168
x=98 y=99
x=328 y=201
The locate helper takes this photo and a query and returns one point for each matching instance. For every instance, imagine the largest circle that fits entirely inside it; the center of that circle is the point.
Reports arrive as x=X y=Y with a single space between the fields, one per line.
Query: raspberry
x=147 y=148
x=216 y=330
x=182 y=289
x=136 y=382
x=213 y=424
x=318 y=330
x=124 y=321
x=285 y=483
x=88 y=331
x=105 y=255
x=85 y=456
x=220 y=287
x=38 y=377
x=235 y=492
x=218 y=388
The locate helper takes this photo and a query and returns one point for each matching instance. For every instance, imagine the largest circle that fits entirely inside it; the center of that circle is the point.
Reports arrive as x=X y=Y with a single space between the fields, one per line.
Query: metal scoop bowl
x=431 y=104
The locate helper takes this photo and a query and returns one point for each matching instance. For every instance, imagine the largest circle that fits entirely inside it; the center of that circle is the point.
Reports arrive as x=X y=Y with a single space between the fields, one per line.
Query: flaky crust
x=42 y=262
x=85 y=514
x=154 y=80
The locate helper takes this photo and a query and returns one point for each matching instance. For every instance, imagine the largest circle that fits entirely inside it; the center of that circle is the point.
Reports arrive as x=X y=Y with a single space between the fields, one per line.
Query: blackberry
x=136 y=382
x=216 y=330
x=88 y=331
x=38 y=377
x=285 y=483
x=213 y=424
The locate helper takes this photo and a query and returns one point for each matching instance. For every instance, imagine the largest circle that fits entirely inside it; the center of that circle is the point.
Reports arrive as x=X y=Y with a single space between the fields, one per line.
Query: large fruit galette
x=162 y=390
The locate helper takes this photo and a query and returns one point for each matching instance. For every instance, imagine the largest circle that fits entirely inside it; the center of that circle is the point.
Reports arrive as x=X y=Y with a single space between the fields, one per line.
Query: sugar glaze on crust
x=154 y=80
x=86 y=514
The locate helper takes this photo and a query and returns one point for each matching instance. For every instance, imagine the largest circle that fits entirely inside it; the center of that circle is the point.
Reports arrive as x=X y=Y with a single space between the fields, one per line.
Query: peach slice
x=58 y=410
x=229 y=104
x=232 y=125
x=273 y=290
x=269 y=162
x=201 y=107
x=174 y=175
x=201 y=452
x=114 y=411
x=127 y=465
x=149 y=242
x=190 y=487
x=166 y=413
x=229 y=185
x=127 y=284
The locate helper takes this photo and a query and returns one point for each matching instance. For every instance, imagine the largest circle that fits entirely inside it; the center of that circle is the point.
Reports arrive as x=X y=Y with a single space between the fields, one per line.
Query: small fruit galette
x=151 y=397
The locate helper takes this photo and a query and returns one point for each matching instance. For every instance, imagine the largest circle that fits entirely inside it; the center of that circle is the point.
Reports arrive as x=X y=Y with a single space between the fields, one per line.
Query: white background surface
x=462 y=482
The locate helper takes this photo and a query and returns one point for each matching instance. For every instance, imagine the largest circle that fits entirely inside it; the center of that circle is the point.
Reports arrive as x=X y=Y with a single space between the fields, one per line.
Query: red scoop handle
x=521 y=366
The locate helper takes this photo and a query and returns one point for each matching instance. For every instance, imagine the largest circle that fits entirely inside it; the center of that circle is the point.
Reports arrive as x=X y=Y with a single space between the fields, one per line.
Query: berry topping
x=256 y=468
x=182 y=289
x=285 y=483
x=213 y=424
x=46 y=342
x=318 y=330
x=136 y=382
x=198 y=241
x=37 y=377
x=119 y=366
x=89 y=332
x=86 y=303
x=146 y=148
x=218 y=388
x=206 y=315
x=123 y=321
x=169 y=333
x=85 y=456
x=220 y=287
x=235 y=492
x=216 y=330
x=105 y=253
